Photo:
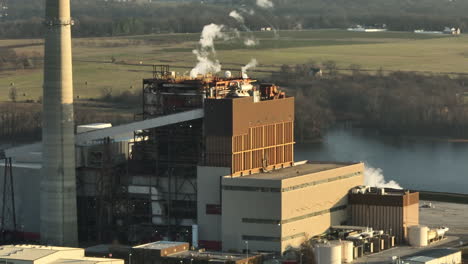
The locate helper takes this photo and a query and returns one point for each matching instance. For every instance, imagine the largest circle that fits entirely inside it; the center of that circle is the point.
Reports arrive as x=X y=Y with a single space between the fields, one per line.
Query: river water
x=422 y=164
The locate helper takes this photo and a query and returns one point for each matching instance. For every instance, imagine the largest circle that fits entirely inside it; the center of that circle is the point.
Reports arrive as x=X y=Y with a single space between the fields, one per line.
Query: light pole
x=191 y=261
x=300 y=259
x=130 y=258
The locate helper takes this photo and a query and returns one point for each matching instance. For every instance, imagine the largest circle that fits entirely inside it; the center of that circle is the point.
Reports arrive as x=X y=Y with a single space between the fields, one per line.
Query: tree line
x=22 y=121
x=108 y=18
x=11 y=60
x=400 y=103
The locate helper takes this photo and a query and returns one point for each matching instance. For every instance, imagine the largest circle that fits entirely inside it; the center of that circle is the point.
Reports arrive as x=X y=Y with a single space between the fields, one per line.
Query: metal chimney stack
x=58 y=187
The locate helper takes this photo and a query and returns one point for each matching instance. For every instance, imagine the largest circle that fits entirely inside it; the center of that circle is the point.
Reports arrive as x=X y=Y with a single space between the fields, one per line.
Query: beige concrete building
x=209 y=205
x=35 y=254
x=279 y=209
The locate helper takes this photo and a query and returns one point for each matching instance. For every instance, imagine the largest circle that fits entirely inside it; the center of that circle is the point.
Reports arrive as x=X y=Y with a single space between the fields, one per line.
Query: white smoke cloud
x=265 y=3
x=249 y=42
x=205 y=64
x=210 y=33
x=238 y=17
x=252 y=64
x=247 y=11
x=374 y=177
x=206 y=54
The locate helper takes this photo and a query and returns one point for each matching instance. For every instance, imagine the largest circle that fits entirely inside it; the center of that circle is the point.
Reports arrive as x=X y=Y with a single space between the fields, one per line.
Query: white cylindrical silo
x=417 y=236
x=347 y=248
x=328 y=253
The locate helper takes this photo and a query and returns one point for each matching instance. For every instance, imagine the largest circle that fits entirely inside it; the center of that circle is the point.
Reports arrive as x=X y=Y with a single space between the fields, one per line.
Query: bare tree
x=13 y=94
x=331 y=67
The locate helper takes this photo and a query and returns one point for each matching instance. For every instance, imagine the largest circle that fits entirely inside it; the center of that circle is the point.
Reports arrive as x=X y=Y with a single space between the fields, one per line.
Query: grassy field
x=93 y=70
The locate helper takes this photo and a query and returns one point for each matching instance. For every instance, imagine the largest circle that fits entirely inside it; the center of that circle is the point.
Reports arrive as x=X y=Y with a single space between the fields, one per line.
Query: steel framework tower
x=58 y=187
x=8 y=217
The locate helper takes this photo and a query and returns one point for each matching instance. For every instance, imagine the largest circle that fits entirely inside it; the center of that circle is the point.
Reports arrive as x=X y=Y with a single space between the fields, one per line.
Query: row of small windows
x=278 y=222
x=251 y=189
x=271 y=239
x=292 y=188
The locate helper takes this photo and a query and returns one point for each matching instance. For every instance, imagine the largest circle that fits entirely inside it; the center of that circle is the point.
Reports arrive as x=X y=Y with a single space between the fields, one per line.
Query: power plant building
x=281 y=209
x=249 y=188
x=391 y=210
x=211 y=159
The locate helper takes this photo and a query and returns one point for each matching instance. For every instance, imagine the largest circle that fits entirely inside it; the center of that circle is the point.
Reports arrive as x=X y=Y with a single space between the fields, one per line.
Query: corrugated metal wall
x=263 y=146
x=379 y=217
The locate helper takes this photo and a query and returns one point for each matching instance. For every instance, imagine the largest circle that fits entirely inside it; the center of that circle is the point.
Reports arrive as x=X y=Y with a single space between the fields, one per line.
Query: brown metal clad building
x=248 y=136
x=394 y=211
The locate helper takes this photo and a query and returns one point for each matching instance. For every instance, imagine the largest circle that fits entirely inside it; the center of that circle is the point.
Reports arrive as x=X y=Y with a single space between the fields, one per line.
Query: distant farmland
x=119 y=63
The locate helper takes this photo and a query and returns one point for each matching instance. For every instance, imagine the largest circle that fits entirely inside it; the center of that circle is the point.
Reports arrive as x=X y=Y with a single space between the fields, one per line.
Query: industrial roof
x=117 y=130
x=85 y=260
x=159 y=245
x=29 y=252
x=212 y=256
x=430 y=254
x=299 y=169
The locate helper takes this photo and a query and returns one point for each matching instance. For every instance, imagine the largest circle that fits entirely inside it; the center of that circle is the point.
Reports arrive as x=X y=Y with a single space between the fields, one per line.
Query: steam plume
x=210 y=33
x=247 y=11
x=265 y=3
x=238 y=17
x=249 y=42
x=206 y=54
x=252 y=64
x=373 y=177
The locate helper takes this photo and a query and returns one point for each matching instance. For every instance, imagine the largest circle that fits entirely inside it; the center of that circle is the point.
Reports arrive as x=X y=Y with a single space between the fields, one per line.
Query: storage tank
x=417 y=236
x=329 y=253
x=195 y=236
x=441 y=231
x=431 y=235
x=347 y=248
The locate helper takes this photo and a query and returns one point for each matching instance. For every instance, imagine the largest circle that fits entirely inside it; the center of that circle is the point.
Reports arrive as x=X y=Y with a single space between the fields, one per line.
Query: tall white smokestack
x=58 y=187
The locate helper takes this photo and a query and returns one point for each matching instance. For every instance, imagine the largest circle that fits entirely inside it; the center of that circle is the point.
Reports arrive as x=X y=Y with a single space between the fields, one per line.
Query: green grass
x=92 y=57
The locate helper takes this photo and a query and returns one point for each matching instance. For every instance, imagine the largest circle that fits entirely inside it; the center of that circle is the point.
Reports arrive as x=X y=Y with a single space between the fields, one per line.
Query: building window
x=290 y=220
x=260 y=238
x=251 y=189
x=272 y=239
x=213 y=209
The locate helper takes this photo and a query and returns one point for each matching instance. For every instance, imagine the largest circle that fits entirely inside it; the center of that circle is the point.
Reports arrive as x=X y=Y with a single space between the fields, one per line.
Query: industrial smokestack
x=58 y=187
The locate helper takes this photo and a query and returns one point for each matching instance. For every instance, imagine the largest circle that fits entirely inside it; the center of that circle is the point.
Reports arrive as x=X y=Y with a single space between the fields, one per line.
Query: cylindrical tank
x=441 y=231
x=195 y=236
x=417 y=236
x=329 y=253
x=431 y=235
x=347 y=248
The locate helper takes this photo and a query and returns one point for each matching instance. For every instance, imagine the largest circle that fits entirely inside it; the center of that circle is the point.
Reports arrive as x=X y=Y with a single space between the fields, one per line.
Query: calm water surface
x=413 y=163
